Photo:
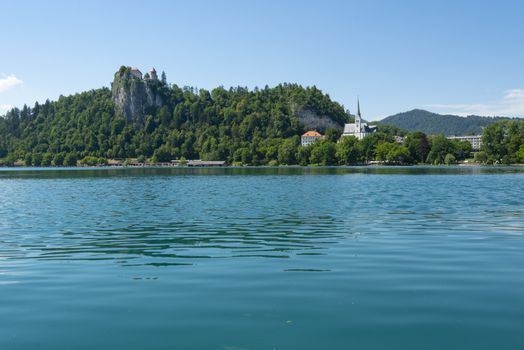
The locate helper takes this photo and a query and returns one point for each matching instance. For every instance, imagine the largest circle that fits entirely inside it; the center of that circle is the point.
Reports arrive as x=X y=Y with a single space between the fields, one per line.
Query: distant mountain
x=433 y=123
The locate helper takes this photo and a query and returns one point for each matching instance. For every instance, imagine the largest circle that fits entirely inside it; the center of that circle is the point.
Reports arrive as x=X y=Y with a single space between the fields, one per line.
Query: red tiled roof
x=312 y=133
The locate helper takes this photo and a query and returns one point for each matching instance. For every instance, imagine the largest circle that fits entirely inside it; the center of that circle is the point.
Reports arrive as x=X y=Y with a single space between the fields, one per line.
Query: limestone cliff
x=313 y=121
x=133 y=95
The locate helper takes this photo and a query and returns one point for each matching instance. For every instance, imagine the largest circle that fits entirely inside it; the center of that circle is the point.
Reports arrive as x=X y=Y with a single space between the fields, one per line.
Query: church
x=358 y=128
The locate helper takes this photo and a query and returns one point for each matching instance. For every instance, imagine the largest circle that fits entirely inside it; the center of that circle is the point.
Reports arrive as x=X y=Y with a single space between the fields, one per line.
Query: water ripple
x=298 y=258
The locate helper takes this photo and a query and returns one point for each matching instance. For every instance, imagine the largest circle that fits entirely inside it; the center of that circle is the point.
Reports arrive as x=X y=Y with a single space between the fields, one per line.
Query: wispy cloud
x=511 y=104
x=4 y=108
x=8 y=82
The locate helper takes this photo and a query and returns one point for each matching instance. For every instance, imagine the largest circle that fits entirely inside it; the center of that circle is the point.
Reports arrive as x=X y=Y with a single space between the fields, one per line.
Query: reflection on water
x=319 y=258
x=261 y=171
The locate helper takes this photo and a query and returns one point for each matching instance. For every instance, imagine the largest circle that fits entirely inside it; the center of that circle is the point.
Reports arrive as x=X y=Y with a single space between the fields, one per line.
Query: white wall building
x=475 y=140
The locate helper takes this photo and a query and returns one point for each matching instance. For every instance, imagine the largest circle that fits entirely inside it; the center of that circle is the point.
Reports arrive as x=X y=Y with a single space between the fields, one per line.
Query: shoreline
x=161 y=166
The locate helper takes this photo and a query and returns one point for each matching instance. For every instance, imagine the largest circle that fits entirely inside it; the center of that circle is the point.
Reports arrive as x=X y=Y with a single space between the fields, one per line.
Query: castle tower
x=152 y=74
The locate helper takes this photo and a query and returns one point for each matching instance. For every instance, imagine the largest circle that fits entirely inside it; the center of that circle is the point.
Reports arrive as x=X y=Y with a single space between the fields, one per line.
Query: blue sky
x=461 y=57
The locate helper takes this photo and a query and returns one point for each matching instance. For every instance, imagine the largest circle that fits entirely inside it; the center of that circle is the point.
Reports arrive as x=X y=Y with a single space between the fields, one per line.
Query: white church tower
x=358 y=121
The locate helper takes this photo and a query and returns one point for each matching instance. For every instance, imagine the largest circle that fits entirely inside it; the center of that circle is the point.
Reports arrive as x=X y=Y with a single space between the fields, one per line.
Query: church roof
x=351 y=129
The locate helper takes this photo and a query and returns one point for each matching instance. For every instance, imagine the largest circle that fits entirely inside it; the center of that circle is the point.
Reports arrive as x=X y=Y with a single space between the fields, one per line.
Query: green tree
x=70 y=159
x=502 y=141
x=399 y=154
x=28 y=159
x=418 y=146
x=450 y=159
x=440 y=147
x=163 y=154
x=461 y=149
x=288 y=150
x=348 y=150
x=323 y=152
x=58 y=159
x=90 y=161
x=303 y=155
x=382 y=151
x=36 y=159
x=520 y=154
x=392 y=152
x=246 y=156
x=333 y=134
x=481 y=157
x=47 y=159
x=370 y=143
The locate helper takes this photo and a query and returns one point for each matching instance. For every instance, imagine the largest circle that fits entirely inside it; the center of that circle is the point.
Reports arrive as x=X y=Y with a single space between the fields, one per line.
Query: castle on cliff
x=138 y=74
x=135 y=94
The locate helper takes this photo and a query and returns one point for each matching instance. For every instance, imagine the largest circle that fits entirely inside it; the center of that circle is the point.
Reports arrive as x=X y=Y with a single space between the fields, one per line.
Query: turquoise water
x=318 y=258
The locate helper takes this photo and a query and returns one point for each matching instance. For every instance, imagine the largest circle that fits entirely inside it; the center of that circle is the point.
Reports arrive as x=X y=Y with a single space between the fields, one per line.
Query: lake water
x=267 y=258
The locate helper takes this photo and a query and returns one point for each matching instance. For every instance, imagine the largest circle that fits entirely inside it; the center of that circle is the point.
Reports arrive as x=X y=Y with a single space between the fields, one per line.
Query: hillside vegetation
x=236 y=124
x=433 y=123
x=146 y=119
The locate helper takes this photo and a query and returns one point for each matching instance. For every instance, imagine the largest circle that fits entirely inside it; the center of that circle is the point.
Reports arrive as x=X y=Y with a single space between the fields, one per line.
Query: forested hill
x=146 y=117
x=433 y=123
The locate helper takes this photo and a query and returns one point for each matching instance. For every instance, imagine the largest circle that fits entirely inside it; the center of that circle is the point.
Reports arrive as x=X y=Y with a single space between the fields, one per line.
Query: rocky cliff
x=133 y=95
x=313 y=121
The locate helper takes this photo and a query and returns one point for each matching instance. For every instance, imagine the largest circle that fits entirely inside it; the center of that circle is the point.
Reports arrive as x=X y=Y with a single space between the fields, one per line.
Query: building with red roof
x=309 y=137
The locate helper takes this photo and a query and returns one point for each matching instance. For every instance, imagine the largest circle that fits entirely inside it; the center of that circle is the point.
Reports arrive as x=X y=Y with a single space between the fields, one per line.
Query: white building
x=358 y=129
x=309 y=137
x=475 y=140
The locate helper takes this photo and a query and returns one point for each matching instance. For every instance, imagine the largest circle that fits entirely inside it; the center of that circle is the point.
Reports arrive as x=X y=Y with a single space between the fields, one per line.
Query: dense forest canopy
x=236 y=125
x=147 y=119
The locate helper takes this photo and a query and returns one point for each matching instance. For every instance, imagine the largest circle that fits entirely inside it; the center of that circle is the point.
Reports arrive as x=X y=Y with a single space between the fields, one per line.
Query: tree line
x=238 y=125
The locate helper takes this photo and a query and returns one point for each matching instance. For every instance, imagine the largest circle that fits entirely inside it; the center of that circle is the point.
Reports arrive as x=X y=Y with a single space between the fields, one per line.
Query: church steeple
x=358 y=118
